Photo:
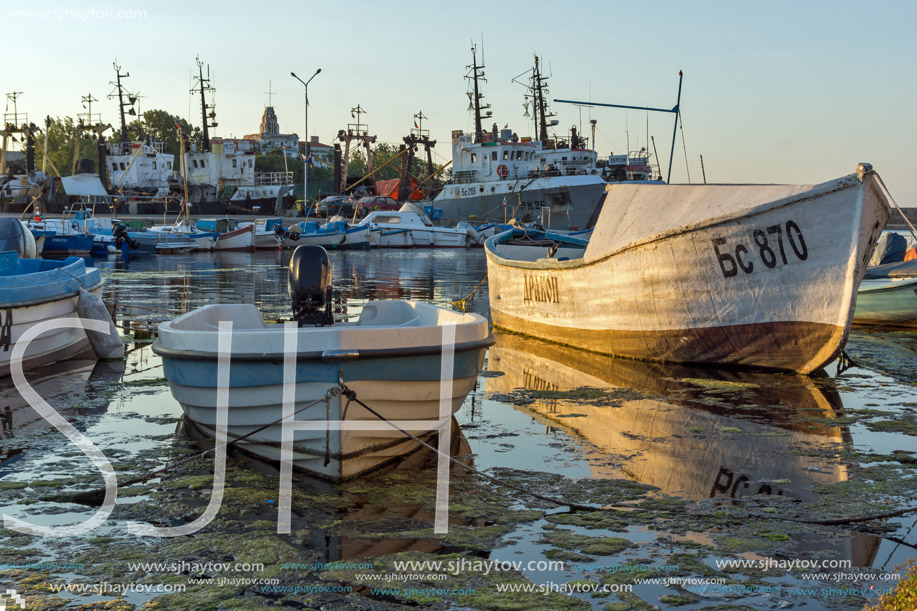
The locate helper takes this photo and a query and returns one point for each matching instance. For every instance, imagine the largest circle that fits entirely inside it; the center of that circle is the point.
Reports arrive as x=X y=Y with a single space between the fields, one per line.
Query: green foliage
x=160 y=126
x=382 y=152
x=62 y=141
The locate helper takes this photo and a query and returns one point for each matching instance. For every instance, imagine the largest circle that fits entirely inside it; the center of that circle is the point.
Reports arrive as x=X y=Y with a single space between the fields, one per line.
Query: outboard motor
x=286 y=233
x=310 y=286
x=119 y=232
x=15 y=235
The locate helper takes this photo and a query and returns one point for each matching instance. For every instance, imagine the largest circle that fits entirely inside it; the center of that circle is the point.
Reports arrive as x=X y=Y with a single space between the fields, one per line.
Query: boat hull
x=571 y=200
x=238 y=239
x=51 y=346
x=351 y=239
x=391 y=357
x=705 y=293
x=369 y=443
x=889 y=303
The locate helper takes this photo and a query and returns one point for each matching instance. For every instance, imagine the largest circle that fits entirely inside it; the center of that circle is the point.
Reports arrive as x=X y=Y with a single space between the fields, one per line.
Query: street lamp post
x=305 y=181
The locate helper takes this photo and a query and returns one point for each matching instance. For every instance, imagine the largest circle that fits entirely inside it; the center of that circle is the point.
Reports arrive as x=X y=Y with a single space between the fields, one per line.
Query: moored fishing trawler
x=756 y=275
x=498 y=175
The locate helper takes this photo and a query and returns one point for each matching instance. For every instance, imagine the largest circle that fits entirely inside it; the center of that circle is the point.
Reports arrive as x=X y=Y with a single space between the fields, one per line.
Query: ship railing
x=463 y=177
x=128 y=148
x=273 y=178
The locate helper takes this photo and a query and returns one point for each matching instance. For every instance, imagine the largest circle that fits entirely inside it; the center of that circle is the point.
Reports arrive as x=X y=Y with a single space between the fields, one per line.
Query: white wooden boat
x=266 y=238
x=37 y=290
x=404 y=229
x=390 y=357
x=231 y=235
x=888 y=296
x=757 y=275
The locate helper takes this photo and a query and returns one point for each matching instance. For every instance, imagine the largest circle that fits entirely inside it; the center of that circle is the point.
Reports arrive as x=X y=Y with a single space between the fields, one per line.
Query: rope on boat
x=889 y=195
x=93 y=497
x=352 y=396
x=459 y=304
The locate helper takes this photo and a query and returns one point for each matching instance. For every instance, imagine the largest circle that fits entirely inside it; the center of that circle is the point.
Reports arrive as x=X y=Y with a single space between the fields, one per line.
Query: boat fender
x=107 y=346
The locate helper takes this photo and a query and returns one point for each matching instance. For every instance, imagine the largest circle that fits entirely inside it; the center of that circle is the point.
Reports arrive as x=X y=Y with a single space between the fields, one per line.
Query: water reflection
x=73 y=387
x=697 y=433
x=156 y=288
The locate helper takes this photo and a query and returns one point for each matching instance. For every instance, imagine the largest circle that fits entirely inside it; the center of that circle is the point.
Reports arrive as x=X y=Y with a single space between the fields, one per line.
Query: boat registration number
x=768 y=247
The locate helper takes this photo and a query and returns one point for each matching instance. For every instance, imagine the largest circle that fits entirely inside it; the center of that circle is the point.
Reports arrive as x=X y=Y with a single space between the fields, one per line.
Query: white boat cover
x=82 y=185
x=638 y=213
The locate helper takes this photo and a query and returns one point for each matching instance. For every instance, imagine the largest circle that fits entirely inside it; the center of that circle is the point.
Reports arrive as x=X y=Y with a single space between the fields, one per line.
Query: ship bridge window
x=505 y=155
x=168 y=165
x=203 y=165
x=154 y=165
x=122 y=166
x=391 y=220
x=233 y=163
x=114 y=167
x=493 y=155
x=474 y=158
x=194 y=162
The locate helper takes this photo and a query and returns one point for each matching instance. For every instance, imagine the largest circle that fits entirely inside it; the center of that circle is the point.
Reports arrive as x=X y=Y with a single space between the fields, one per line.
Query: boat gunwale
x=318 y=355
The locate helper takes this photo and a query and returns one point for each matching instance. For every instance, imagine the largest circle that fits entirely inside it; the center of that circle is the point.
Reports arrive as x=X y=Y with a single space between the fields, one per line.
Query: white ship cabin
x=229 y=163
x=139 y=165
x=511 y=158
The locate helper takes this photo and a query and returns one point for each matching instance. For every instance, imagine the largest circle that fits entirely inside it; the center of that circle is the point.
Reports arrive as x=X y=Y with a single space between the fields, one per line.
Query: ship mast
x=477 y=75
x=120 y=96
x=541 y=106
x=203 y=85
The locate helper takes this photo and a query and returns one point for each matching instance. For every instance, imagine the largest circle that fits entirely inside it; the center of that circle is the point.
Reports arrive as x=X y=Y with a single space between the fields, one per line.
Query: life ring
x=502 y=171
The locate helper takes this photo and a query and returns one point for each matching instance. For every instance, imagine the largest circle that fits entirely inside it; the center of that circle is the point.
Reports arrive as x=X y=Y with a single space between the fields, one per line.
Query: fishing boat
x=266 y=237
x=406 y=229
x=62 y=236
x=335 y=235
x=755 y=275
x=497 y=175
x=183 y=229
x=38 y=290
x=888 y=295
x=389 y=356
x=232 y=235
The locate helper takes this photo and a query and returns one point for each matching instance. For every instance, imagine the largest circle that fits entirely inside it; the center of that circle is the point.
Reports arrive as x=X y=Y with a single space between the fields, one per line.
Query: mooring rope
x=460 y=303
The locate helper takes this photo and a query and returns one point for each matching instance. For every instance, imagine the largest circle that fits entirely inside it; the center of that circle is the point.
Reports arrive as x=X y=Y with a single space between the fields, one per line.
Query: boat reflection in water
x=361 y=509
x=696 y=433
x=58 y=384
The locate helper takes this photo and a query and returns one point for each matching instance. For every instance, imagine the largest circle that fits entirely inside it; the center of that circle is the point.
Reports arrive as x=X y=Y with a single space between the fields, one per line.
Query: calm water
x=695 y=434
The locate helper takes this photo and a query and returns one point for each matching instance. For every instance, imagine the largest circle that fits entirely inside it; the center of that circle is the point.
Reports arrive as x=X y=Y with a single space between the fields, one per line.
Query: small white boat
x=757 y=275
x=390 y=357
x=232 y=236
x=266 y=237
x=333 y=235
x=37 y=290
x=405 y=229
x=203 y=240
x=888 y=296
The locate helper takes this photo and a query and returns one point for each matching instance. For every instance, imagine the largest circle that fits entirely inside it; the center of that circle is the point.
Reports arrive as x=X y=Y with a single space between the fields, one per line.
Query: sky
x=773 y=92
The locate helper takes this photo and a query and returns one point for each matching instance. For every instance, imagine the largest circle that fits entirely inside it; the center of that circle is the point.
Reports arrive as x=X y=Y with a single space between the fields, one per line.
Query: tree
x=382 y=152
x=159 y=125
x=62 y=141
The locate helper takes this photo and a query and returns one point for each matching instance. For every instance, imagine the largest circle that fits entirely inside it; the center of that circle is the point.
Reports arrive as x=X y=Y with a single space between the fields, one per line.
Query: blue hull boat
x=37 y=290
